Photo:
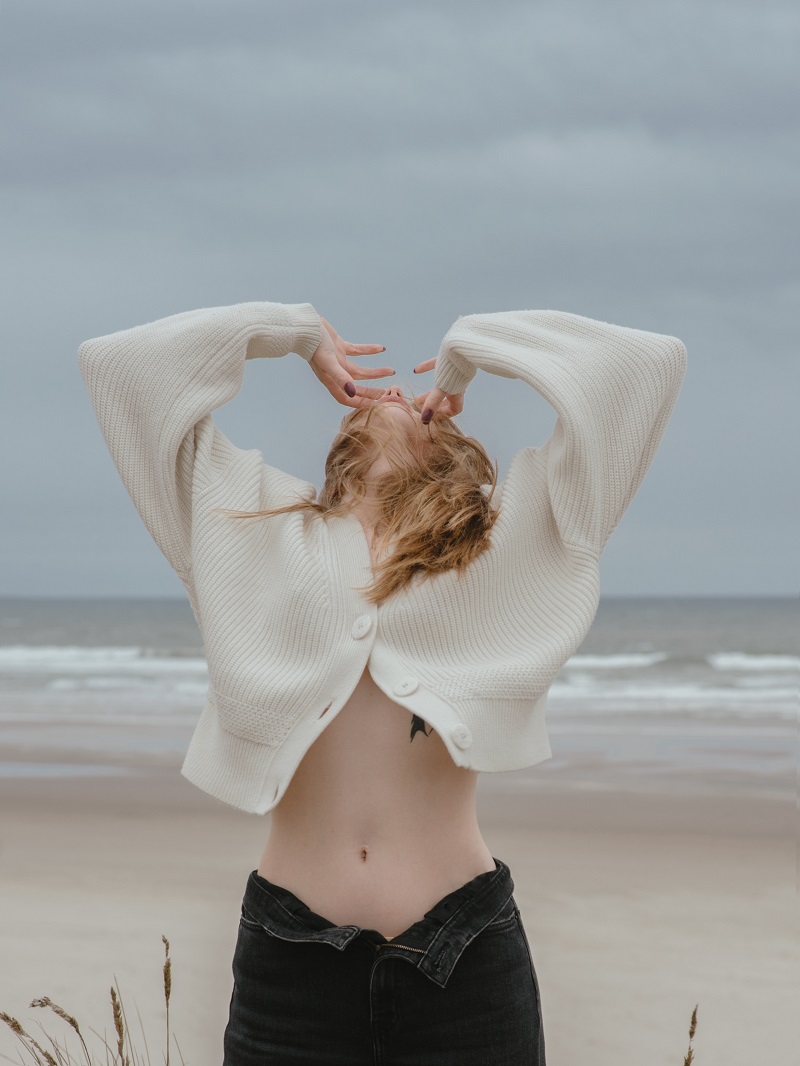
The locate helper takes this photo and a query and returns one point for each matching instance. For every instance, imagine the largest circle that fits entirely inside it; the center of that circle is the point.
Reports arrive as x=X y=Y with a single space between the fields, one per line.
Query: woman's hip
x=458 y=986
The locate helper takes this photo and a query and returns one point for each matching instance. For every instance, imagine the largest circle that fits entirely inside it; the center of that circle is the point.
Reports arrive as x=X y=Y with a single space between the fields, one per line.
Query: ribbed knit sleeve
x=154 y=387
x=612 y=387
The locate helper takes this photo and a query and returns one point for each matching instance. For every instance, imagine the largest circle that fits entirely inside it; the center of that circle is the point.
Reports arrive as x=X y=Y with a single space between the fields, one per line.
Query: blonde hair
x=430 y=505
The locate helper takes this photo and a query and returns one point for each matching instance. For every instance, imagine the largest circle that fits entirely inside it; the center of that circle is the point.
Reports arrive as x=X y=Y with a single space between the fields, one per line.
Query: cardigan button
x=361 y=626
x=406 y=686
x=461 y=736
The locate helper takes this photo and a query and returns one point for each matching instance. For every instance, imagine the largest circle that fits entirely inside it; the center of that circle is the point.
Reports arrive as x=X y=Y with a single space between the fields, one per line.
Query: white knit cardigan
x=286 y=634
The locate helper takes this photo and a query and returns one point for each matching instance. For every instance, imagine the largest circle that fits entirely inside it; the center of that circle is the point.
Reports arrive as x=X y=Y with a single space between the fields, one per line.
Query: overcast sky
x=398 y=165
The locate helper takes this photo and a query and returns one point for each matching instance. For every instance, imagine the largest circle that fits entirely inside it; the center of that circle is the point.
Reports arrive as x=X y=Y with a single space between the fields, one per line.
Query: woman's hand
x=334 y=369
x=449 y=403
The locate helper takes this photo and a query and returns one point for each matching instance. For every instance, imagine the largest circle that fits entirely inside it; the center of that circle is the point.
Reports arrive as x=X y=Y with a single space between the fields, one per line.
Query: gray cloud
x=397 y=167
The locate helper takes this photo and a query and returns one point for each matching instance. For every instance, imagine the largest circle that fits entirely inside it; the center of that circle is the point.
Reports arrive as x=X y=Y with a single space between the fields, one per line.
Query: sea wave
x=70 y=659
x=75 y=659
x=110 y=681
x=619 y=661
x=142 y=685
x=666 y=692
x=739 y=660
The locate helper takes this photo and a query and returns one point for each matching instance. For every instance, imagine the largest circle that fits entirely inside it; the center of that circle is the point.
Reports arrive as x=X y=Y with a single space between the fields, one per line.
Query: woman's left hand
x=335 y=370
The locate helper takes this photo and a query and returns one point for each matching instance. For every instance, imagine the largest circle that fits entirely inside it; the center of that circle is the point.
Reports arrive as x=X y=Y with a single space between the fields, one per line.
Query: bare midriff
x=375 y=827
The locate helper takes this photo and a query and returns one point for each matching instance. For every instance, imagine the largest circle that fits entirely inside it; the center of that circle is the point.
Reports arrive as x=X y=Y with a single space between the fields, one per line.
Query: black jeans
x=457 y=988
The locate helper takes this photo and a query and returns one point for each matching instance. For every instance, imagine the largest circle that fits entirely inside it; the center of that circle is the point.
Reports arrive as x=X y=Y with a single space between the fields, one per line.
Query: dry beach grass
x=127 y=1052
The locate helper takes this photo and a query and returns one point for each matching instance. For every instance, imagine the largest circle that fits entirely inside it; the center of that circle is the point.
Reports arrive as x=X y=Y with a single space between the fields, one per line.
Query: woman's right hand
x=334 y=369
x=449 y=403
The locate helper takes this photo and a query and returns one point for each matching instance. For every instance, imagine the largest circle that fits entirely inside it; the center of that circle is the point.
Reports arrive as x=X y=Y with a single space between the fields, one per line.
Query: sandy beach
x=639 y=901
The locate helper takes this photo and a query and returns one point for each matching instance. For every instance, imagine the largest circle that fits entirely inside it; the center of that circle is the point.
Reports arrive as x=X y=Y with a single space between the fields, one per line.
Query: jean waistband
x=433 y=944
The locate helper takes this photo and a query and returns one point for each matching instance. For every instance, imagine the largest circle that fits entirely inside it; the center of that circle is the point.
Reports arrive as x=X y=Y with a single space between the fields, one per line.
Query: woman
x=373 y=648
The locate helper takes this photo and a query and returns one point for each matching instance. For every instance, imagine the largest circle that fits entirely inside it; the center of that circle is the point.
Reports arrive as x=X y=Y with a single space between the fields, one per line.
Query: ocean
x=700 y=686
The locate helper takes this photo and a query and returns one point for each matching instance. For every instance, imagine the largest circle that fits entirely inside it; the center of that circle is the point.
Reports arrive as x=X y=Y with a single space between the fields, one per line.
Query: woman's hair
x=430 y=505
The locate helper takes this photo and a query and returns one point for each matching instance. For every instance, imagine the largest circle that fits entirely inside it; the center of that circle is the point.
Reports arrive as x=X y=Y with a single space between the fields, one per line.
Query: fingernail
x=426 y=417
x=383 y=349
x=415 y=370
x=349 y=388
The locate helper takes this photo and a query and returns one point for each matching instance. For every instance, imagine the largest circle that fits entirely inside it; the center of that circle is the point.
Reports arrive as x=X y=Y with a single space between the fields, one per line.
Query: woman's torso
x=375 y=827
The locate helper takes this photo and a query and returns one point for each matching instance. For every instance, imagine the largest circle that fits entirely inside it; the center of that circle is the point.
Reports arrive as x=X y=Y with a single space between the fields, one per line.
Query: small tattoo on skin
x=418 y=726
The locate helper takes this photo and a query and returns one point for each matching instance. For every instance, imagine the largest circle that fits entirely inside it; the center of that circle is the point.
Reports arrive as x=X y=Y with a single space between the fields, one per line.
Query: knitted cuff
x=453 y=371
x=308 y=329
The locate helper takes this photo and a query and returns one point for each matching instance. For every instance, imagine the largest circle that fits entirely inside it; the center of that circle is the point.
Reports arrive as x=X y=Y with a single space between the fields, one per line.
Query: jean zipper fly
x=391 y=944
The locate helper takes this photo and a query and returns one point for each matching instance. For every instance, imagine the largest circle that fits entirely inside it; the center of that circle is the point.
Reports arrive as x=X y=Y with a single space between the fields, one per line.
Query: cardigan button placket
x=406 y=686
x=361 y=626
x=461 y=735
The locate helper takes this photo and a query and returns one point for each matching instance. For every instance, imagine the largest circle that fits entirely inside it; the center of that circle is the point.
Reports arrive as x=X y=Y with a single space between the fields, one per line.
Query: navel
x=363 y=854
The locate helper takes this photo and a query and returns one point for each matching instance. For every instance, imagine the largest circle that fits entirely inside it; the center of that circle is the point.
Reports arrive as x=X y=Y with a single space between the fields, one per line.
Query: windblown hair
x=431 y=506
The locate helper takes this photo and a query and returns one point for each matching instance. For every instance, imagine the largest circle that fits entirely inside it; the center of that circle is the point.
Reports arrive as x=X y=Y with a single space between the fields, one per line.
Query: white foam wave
x=674 y=692
x=765 y=681
x=624 y=661
x=68 y=717
x=65 y=659
x=141 y=685
x=740 y=660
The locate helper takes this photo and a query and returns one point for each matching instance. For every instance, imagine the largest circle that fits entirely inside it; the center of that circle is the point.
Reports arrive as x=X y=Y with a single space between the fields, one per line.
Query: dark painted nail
x=350 y=388
x=426 y=417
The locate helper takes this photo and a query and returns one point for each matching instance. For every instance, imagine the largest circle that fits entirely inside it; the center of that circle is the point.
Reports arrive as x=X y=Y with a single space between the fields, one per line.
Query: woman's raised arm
x=153 y=388
x=612 y=387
